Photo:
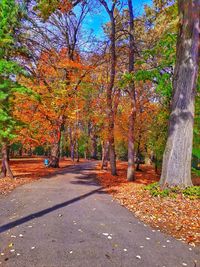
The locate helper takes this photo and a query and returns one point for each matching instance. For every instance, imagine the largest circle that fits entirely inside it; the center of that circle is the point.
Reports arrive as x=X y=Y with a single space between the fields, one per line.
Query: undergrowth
x=193 y=192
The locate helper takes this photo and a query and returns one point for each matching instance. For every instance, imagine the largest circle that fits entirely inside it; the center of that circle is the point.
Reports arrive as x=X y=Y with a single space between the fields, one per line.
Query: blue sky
x=95 y=21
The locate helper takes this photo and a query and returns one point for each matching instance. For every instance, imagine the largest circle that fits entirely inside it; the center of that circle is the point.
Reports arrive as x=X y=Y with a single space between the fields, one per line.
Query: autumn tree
x=176 y=169
x=57 y=80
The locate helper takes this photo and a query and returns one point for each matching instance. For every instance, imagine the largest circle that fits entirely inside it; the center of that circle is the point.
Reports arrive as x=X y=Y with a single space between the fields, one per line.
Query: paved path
x=68 y=221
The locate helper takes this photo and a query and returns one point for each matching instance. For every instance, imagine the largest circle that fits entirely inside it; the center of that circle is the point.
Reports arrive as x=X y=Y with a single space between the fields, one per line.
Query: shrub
x=193 y=192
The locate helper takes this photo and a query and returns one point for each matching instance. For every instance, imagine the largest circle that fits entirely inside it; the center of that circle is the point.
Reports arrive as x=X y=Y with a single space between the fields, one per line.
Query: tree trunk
x=110 y=112
x=55 y=150
x=94 y=147
x=72 y=145
x=77 y=151
x=131 y=90
x=105 y=155
x=55 y=155
x=72 y=151
x=111 y=138
x=5 y=169
x=176 y=168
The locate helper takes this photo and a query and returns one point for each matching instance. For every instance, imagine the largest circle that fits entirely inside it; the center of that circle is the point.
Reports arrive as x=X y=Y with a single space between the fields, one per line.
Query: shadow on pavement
x=38 y=214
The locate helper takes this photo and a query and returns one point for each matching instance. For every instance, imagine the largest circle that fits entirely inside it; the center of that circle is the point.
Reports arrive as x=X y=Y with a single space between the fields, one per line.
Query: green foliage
x=46 y=7
x=126 y=80
x=196 y=172
x=193 y=192
x=39 y=150
x=121 y=150
x=10 y=16
x=155 y=190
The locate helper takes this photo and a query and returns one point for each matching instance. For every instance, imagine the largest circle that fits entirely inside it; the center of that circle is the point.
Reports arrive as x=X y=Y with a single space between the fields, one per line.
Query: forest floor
x=28 y=170
x=179 y=217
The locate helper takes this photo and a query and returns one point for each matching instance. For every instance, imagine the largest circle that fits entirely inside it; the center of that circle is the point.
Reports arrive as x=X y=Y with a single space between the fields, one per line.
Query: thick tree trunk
x=55 y=149
x=131 y=150
x=131 y=90
x=55 y=155
x=5 y=168
x=72 y=150
x=176 y=168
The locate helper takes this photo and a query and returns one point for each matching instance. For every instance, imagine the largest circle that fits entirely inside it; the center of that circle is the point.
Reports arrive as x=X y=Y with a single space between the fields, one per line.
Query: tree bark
x=131 y=91
x=105 y=155
x=55 y=155
x=138 y=155
x=109 y=93
x=111 y=125
x=176 y=168
x=72 y=145
x=77 y=151
x=55 y=149
x=5 y=168
x=94 y=147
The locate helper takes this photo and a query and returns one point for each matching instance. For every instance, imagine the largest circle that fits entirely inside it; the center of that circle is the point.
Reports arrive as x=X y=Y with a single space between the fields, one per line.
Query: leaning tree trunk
x=176 y=168
x=131 y=90
x=5 y=168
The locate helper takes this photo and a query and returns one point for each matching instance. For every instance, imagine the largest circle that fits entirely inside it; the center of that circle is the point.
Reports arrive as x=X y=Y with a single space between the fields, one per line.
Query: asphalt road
x=69 y=221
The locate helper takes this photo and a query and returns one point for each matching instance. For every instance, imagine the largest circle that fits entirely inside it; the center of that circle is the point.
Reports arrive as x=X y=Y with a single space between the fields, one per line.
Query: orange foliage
x=57 y=83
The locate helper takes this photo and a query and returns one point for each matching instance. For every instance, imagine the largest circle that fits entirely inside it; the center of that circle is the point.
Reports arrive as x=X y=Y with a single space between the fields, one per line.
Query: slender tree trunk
x=110 y=112
x=72 y=145
x=111 y=124
x=138 y=155
x=21 y=151
x=176 y=168
x=72 y=150
x=94 y=147
x=77 y=151
x=105 y=155
x=131 y=90
x=5 y=168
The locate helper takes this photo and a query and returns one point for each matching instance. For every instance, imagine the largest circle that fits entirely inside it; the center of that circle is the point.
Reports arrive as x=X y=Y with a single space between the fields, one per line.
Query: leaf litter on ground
x=179 y=217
